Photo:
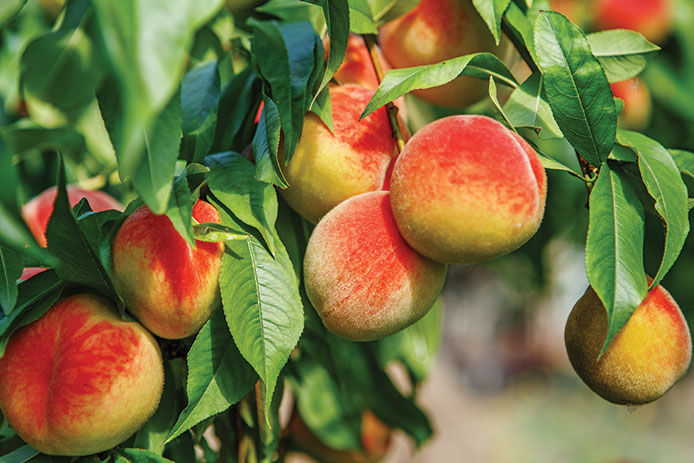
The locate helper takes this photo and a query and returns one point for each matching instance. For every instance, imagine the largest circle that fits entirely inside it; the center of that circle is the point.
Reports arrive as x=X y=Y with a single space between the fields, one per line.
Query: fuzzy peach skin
x=169 y=286
x=80 y=380
x=466 y=189
x=375 y=437
x=651 y=18
x=356 y=67
x=37 y=212
x=646 y=357
x=361 y=276
x=328 y=168
x=434 y=31
x=637 y=103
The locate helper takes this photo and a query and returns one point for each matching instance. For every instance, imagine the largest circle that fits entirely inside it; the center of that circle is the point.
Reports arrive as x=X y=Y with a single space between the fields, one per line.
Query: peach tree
x=162 y=103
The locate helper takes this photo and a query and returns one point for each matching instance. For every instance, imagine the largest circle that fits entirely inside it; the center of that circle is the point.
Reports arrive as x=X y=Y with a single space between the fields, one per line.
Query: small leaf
x=266 y=145
x=614 y=248
x=361 y=18
x=253 y=202
x=200 y=91
x=576 y=87
x=492 y=11
x=397 y=82
x=622 y=53
x=552 y=164
x=214 y=232
x=21 y=455
x=11 y=265
x=527 y=108
x=218 y=376
x=663 y=182
x=684 y=161
x=337 y=17
x=138 y=456
x=522 y=25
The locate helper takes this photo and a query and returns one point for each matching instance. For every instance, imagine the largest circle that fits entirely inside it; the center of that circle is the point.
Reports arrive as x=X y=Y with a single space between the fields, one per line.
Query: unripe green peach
x=466 y=189
x=80 y=380
x=37 y=212
x=169 y=286
x=651 y=18
x=327 y=168
x=646 y=357
x=434 y=31
x=363 y=279
x=637 y=103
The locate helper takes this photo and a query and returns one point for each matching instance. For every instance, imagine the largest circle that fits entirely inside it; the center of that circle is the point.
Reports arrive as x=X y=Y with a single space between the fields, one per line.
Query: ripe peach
x=646 y=357
x=80 y=380
x=37 y=212
x=651 y=18
x=375 y=437
x=466 y=189
x=357 y=68
x=363 y=279
x=434 y=31
x=637 y=103
x=328 y=168
x=169 y=286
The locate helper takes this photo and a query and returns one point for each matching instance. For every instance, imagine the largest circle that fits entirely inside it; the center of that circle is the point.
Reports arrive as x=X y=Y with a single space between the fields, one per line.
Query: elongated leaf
x=526 y=107
x=9 y=9
x=622 y=53
x=254 y=202
x=684 y=161
x=11 y=264
x=200 y=91
x=522 y=26
x=361 y=18
x=397 y=82
x=576 y=87
x=21 y=137
x=162 y=142
x=182 y=199
x=148 y=73
x=262 y=305
x=336 y=14
x=266 y=145
x=664 y=183
x=218 y=376
x=553 y=164
x=614 y=248
x=492 y=11
x=21 y=455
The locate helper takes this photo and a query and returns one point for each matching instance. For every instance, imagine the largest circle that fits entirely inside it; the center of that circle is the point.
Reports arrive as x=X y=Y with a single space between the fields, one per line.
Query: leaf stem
x=391 y=109
x=590 y=172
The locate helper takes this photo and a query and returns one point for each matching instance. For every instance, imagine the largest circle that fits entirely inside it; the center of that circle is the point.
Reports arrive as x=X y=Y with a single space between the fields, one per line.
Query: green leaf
x=491 y=12
x=8 y=9
x=576 y=87
x=522 y=27
x=23 y=136
x=337 y=18
x=262 y=305
x=622 y=53
x=138 y=456
x=684 y=161
x=551 y=163
x=526 y=107
x=218 y=376
x=388 y=10
x=614 y=248
x=665 y=185
x=253 y=202
x=154 y=178
x=214 y=232
x=266 y=144
x=200 y=91
x=148 y=74
x=181 y=201
x=361 y=18
x=77 y=257
x=21 y=455
x=397 y=82
x=238 y=104
x=11 y=265
x=417 y=345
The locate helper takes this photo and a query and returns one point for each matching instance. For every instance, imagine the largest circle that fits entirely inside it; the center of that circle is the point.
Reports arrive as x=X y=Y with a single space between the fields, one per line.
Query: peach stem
x=391 y=109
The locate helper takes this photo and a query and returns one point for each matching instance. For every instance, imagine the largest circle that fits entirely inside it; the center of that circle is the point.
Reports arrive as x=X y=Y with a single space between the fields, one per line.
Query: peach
x=169 y=286
x=637 y=103
x=37 y=212
x=356 y=67
x=328 y=168
x=646 y=357
x=651 y=18
x=80 y=380
x=434 y=31
x=466 y=189
x=375 y=437
x=361 y=276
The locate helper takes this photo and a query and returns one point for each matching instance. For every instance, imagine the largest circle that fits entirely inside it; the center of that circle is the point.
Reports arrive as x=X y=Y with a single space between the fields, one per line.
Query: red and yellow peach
x=651 y=18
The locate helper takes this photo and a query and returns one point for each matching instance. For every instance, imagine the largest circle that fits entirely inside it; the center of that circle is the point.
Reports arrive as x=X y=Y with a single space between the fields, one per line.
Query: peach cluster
x=80 y=380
